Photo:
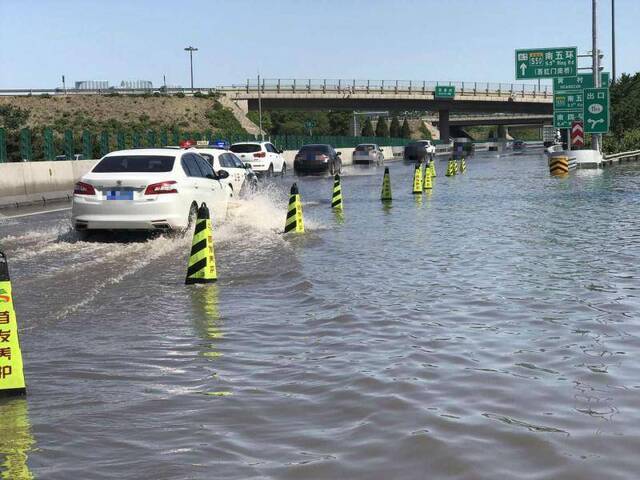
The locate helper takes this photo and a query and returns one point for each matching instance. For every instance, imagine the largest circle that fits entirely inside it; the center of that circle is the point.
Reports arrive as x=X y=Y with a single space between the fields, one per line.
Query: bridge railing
x=313 y=85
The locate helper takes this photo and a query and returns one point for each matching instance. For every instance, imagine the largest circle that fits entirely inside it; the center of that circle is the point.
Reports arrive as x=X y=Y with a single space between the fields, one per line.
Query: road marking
x=4 y=217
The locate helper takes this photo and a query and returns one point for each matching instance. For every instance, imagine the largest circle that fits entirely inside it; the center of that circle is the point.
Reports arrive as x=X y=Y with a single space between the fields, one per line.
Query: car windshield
x=245 y=148
x=135 y=163
x=364 y=148
x=315 y=148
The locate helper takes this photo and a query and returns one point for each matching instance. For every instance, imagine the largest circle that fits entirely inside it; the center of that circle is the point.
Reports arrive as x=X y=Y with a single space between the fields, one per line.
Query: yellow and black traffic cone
x=449 y=169
x=455 y=167
x=463 y=166
x=432 y=165
x=386 y=186
x=428 y=183
x=202 y=260
x=294 y=222
x=336 y=199
x=11 y=370
x=417 y=179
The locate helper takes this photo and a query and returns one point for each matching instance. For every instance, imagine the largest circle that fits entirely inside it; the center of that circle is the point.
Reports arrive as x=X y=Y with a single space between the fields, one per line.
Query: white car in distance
x=148 y=189
x=241 y=178
x=263 y=157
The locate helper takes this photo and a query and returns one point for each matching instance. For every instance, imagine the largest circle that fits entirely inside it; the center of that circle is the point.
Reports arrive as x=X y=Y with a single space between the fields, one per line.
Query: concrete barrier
x=27 y=183
x=35 y=182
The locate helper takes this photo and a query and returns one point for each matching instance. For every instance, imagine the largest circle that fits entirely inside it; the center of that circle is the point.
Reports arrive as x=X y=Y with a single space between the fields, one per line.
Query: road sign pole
x=569 y=138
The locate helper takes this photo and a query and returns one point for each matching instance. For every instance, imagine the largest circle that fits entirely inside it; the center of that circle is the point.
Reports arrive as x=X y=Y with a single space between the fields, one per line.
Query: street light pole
x=191 y=49
x=613 y=41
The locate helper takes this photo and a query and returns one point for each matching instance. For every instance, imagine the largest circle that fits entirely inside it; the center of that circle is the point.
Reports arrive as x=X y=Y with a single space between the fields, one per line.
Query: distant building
x=92 y=85
x=137 y=84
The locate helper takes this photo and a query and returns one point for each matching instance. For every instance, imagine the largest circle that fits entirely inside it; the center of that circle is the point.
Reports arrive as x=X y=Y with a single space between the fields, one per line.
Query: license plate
x=120 y=195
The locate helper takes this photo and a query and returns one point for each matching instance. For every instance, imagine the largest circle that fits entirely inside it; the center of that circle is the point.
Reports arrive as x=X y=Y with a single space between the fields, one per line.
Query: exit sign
x=444 y=91
x=546 y=62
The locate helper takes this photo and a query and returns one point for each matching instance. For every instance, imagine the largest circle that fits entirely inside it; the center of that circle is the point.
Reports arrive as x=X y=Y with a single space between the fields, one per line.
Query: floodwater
x=487 y=331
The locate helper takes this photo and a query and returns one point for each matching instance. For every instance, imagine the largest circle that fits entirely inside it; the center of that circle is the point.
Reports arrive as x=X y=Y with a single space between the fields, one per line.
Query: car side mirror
x=222 y=174
x=338 y=153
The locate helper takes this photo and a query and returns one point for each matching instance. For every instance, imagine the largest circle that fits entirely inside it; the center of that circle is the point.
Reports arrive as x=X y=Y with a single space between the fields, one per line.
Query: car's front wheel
x=283 y=172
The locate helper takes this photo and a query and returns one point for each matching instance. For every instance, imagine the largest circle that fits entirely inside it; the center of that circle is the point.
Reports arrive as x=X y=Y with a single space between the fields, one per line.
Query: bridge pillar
x=443 y=125
x=503 y=131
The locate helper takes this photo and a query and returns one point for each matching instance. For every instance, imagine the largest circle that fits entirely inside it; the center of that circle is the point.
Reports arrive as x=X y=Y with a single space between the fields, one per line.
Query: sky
x=444 y=40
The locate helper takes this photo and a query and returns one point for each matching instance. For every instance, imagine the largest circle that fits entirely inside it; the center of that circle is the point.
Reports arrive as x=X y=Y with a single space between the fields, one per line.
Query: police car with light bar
x=242 y=179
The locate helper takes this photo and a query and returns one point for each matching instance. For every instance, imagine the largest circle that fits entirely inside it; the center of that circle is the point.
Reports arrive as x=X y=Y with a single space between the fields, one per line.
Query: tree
x=382 y=129
x=339 y=123
x=394 y=128
x=405 y=131
x=367 y=128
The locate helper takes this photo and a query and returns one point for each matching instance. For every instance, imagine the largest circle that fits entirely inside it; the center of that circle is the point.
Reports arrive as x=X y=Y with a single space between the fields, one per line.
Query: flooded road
x=489 y=330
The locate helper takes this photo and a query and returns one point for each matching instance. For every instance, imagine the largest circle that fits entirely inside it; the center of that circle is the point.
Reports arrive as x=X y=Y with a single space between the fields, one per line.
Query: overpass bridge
x=501 y=120
x=398 y=95
x=342 y=94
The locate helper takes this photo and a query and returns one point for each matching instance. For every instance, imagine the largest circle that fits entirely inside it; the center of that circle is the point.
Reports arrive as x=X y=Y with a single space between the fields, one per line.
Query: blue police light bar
x=223 y=144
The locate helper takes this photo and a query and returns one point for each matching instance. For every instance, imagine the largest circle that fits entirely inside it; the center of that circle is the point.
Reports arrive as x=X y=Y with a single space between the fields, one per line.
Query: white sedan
x=241 y=178
x=148 y=189
x=263 y=157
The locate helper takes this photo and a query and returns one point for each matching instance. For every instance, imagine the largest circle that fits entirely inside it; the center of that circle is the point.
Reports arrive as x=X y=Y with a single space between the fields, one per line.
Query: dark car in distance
x=419 y=151
x=519 y=146
x=317 y=158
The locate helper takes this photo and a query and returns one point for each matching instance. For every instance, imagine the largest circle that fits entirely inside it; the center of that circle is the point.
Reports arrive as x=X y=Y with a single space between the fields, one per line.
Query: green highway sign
x=546 y=62
x=582 y=80
x=309 y=124
x=596 y=110
x=444 y=91
x=568 y=100
x=563 y=118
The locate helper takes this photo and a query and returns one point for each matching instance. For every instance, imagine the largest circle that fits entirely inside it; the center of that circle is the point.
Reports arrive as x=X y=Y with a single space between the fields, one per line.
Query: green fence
x=50 y=144
x=3 y=145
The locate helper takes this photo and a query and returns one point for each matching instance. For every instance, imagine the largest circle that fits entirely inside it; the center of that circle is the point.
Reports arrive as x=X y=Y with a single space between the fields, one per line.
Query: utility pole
x=613 y=41
x=260 y=107
x=191 y=49
x=595 y=138
x=64 y=85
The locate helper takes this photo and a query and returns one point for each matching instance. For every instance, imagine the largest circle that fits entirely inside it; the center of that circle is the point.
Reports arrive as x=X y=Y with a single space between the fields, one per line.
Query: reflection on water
x=414 y=340
x=208 y=324
x=15 y=439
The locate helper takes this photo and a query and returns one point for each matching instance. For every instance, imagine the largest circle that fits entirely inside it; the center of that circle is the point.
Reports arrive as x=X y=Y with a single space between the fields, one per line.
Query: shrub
x=394 y=128
x=382 y=129
x=405 y=131
x=367 y=128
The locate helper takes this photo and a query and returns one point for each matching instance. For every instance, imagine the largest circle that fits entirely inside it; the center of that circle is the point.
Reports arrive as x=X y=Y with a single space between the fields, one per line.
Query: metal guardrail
x=315 y=86
x=622 y=155
x=391 y=86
